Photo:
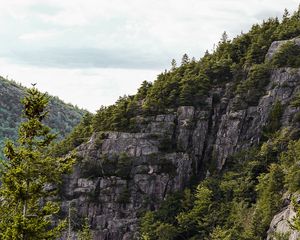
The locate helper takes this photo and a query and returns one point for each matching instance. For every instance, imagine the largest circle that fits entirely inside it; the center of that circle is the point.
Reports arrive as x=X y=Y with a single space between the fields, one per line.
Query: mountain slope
x=210 y=150
x=62 y=117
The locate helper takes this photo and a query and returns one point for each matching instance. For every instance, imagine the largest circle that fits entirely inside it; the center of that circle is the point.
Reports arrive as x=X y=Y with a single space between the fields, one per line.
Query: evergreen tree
x=143 y=90
x=85 y=233
x=173 y=64
x=185 y=59
x=224 y=37
x=286 y=15
x=29 y=178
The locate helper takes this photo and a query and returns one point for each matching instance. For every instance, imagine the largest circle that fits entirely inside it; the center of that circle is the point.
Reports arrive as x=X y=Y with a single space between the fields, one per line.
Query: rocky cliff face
x=281 y=223
x=122 y=174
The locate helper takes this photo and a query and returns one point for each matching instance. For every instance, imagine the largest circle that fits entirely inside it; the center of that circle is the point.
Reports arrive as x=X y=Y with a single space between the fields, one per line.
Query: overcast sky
x=89 y=52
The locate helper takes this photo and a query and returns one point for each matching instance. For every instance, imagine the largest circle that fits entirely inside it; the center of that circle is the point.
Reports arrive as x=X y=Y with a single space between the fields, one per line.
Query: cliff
x=120 y=175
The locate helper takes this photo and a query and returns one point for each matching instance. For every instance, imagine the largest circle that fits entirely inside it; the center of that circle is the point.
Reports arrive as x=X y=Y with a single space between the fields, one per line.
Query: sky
x=90 y=52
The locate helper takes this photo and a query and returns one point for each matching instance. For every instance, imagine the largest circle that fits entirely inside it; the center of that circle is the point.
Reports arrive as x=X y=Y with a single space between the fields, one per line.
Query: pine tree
x=185 y=59
x=286 y=14
x=29 y=178
x=173 y=64
x=224 y=37
x=85 y=233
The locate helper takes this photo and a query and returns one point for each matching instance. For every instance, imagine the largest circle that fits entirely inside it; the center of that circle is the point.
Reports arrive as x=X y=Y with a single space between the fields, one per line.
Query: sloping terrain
x=62 y=117
x=209 y=150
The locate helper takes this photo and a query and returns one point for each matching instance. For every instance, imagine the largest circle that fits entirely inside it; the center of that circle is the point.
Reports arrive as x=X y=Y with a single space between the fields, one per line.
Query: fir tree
x=85 y=233
x=173 y=64
x=224 y=37
x=29 y=177
x=185 y=59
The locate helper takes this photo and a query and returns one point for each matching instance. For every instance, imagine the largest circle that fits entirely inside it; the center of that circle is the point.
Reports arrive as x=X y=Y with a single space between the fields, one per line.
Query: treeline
x=238 y=203
x=62 y=117
x=240 y=61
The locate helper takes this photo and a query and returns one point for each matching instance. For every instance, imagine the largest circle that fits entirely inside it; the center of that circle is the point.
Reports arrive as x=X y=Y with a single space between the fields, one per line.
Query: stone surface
x=275 y=46
x=281 y=223
x=122 y=174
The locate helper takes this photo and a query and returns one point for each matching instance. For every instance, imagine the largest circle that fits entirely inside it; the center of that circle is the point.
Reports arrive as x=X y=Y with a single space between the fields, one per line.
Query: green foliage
x=218 y=233
x=240 y=201
x=237 y=203
x=240 y=61
x=85 y=232
x=170 y=208
x=261 y=38
x=197 y=218
x=289 y=27
x=124 y=197
x=153 y=224
x=253 y=87
x=165 y=231
x=124 y=166
x=296 y=219
x=287 y=56
x=270 y=190
x=81 y=133
x=143 y=91
x=29 y=177
x=296 y=101
x=290 y=162
x=274 y=118
x=108 y=165
x=280 y=236
x=148 y=226
x=117 y=117
x=61 y=118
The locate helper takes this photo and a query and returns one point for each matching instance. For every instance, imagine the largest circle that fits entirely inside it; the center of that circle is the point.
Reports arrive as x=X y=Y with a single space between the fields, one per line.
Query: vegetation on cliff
x=239 y=201
x=240 y=61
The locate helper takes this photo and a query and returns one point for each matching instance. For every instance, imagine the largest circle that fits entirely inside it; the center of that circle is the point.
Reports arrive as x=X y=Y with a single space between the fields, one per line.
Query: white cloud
x=39 y=35
x=61 y=42
x=88 y=88
x=71 y=17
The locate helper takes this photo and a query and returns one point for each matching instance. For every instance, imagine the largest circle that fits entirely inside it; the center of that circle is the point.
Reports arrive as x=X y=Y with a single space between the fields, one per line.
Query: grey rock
x=281 y=224
x=275 y=46
x=166 y=151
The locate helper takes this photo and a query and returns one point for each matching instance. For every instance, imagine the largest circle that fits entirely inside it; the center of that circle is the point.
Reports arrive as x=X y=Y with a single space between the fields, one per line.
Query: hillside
x=62 y=118
x=209 y=150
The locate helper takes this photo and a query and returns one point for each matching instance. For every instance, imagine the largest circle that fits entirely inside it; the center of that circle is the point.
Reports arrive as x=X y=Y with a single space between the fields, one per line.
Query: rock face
x=280 y=224
x=125 y=173
x=277 y=44
x=122 y=174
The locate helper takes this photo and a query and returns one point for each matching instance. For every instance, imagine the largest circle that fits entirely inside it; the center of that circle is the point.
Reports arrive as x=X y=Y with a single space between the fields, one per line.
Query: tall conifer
x=29 y=178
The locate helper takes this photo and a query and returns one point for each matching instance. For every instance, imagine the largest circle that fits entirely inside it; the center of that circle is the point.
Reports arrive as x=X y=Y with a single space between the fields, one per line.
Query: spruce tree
x=173 y=64
x=185 y=59
x=85 y=233
x=29 y=178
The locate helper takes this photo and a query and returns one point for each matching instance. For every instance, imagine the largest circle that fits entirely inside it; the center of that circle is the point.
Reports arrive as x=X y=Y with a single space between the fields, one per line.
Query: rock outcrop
x=281 y=223
x=275 y=46
x=122 y=174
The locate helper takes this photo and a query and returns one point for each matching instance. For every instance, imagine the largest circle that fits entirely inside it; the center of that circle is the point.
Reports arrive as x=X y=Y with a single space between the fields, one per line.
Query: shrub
x=287 y=56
